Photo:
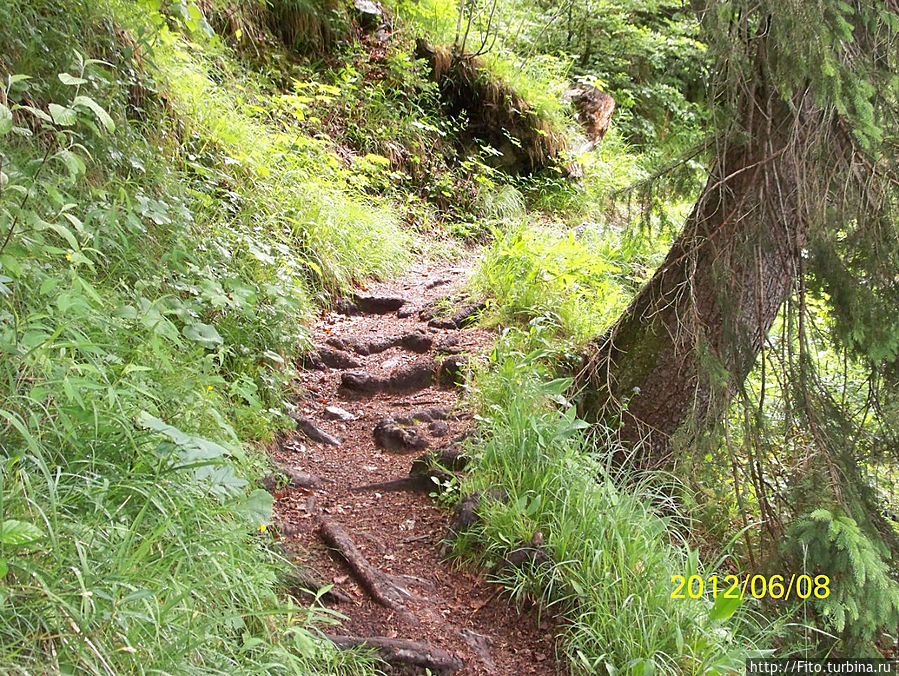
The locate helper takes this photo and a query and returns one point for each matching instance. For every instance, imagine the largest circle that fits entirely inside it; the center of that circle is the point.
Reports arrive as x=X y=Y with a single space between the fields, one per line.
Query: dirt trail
x=415 y=594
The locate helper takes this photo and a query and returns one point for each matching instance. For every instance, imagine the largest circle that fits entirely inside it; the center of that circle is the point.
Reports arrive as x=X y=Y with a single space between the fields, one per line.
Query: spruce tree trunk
x=694 y=331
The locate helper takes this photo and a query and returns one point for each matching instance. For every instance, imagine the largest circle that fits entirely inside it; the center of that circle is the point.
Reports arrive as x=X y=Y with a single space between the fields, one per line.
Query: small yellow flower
x=68 y=256
x=209 y=388
x=262 y=528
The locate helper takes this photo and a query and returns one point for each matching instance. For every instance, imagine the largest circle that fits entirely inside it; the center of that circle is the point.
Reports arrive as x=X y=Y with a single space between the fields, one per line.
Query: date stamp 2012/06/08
x=795 y=586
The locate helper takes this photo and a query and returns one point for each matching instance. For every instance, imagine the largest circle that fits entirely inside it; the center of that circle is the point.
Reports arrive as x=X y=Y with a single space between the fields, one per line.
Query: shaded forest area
x=682 y=364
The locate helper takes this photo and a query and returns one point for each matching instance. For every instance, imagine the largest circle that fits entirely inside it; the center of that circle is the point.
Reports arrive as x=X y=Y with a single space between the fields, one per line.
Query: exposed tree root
x=377 y=583
x=426 y=482
x=403 y=652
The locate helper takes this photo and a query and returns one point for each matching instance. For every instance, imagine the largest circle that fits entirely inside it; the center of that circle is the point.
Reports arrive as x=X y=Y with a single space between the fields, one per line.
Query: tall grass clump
x=579 y=276
x=612 y=552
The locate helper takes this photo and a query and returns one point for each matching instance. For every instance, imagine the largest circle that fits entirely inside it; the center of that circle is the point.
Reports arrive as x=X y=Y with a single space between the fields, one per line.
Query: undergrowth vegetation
x=164 y=233
x=612 y=552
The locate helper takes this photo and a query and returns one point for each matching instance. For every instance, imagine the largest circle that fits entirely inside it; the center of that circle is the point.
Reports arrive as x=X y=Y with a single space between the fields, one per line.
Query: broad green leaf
x=75 y=221
x=125 y=312
x=258 y=507
x=13 y=532
x=71 y=80
x=37 y=112
x=66 y=234
x=5 y=120
x=4 y=568
x=63 y=116
x=191 y=448
x=204 y=334
x=97 y=109
x=221 y=479
x=724 y=607
x=73 y=163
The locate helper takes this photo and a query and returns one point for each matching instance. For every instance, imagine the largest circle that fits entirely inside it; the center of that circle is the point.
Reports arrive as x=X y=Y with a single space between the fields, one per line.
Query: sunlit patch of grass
x=579 y=276
x=293 y=189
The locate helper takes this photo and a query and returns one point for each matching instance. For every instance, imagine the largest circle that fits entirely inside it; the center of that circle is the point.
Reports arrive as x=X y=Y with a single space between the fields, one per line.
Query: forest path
x=382 y=364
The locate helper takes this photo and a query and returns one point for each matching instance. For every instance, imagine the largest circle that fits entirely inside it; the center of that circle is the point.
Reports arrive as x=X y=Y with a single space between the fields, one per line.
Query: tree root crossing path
x=381 y=426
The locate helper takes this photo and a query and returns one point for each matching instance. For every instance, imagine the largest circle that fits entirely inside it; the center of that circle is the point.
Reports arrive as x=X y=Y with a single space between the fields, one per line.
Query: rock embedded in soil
x=339 y=343
x=337 y=413
x=374 y=346
x=468 y=314
x=451 y=458
x=361 y=383
x=452 y=370
x=438 y=428
x=415 y=376
x=336 y=359
x=533 y=553
x=379 y=305
x=430 y=414
x=344 y=306
x=424 y=415
x=314 y=432
x=369 y=13
x=442 y=323
x=416 y=341
x=449 y=344
x=467 y=434
x=481 y=645
x=428 y=312
x=392 y=437
x=467 y=512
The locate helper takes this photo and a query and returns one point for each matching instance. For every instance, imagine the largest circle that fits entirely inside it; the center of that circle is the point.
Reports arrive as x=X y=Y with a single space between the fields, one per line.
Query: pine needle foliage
x=864 y=596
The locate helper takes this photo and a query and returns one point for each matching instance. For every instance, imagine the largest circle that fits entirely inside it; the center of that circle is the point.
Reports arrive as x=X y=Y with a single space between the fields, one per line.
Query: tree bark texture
x=694 y=331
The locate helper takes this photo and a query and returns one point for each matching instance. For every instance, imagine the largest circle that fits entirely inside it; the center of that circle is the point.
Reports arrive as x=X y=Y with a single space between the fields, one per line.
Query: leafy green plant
x=544 y=270
x=148 y=323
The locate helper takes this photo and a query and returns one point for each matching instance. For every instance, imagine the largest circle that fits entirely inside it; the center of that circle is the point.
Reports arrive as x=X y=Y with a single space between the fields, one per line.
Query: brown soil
x=399 y=533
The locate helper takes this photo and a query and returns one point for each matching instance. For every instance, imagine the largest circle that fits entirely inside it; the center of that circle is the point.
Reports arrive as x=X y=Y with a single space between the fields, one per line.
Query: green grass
x=293 y=188
x=614 y=539
x=612 y=552
x=160 y=268
x=545 y=270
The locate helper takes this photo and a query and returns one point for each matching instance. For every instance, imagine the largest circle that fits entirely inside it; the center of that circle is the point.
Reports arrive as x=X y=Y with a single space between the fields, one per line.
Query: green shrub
x=579 y=277
x=862 y=594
